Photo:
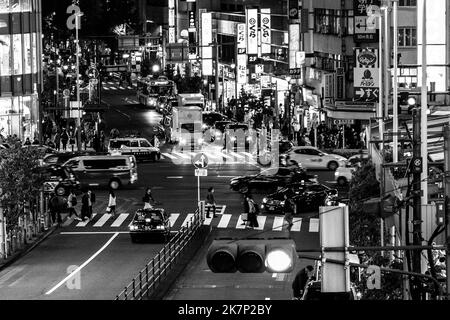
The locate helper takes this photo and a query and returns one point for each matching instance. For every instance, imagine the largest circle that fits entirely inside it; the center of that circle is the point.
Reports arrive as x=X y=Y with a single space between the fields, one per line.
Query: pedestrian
x=64 y=139
x=85 y=207
x=252 y=212
x=27 y=142
x=147 y=198
x=301 y=280
x=71 y=203
x=102 y=141
x=289 y=210
x=111 y=203
x=91 y=201
x=57 y=140
x=210 y=202
x=83 y=139
x=50 y=143
x=55 y=209
x=36 y=142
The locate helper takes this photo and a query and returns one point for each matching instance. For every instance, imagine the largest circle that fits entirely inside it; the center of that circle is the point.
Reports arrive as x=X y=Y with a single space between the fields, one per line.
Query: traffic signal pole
x=447 y=197
x=417 y=205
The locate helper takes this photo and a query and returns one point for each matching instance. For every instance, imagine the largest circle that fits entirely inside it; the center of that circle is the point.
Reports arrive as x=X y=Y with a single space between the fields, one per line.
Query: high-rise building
x=20 y=67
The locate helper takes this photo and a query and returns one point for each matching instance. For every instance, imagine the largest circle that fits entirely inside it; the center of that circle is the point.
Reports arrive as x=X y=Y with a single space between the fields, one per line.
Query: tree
x=20 y=180
x=365 y=231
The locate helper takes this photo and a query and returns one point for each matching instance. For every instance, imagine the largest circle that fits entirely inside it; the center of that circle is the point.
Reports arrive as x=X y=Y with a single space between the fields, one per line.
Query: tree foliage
x=19 y=179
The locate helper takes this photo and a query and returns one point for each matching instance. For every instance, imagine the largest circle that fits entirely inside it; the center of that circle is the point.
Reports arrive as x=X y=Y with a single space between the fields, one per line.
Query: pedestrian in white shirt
x=111 y=203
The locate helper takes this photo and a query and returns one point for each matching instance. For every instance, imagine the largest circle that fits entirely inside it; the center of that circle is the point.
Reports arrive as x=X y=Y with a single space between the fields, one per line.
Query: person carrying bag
x=111 y=209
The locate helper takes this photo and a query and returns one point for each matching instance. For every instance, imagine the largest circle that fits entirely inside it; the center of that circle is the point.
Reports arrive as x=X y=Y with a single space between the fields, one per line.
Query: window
x=407 y=3
x=73 y=164
x=118 y=144
x=105 y=164
x=407 y=77
x=145 y=144
x=312 y=152
x=407 y=37
x=134 y=144
x=330 y=21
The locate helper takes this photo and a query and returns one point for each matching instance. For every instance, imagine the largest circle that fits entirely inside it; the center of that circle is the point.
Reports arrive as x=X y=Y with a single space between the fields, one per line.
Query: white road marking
x=261 y=222
x=181 y=155
x=297 y=224
x=237 y=155
x=167 y=155
x=241 y=223
x=93 y=232
x=106 y=88
x=207 y=221
x=226 y=177
x=313 y=225
x=278 y=223
x=175 y=177
x=274 y=275
x=102 y=220
x=267 y=299
x=173 y=218
x=226 y=156
x=223 y=209
x=68 y=222
x=124 y=114
x=118 y=222
x=83 y=265
x=11 y=274
x=85 y=223
x=187 y=220
x=113 y=88
x=224 y=221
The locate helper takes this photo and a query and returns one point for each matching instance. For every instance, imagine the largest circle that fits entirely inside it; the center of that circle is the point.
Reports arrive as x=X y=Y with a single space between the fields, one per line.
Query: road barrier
x=149 y=278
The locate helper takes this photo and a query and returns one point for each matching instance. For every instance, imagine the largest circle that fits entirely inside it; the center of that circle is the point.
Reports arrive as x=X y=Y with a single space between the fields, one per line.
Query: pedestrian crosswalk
x=114 y=86
x=214 y=157
x=180 y=220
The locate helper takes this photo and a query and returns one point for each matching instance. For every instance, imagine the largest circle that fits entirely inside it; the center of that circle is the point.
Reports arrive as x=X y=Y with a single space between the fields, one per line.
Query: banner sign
x=365 y=23
x=366 y=75
x=266 y=32
x=171 y=7
x=294 y=44
x=294 y=10
x=241 y=64
x=252 y=31
x=207 y=50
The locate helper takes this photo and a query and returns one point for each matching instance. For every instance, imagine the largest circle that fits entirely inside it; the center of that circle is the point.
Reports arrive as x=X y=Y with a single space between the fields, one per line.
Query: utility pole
x=447 y=198
x=216 y=44
x=77 y=26
x=395 y=83
x=417 y=204
x=424 y=108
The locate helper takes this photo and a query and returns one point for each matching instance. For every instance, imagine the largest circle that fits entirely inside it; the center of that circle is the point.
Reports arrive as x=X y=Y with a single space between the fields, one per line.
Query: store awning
x=350 y=115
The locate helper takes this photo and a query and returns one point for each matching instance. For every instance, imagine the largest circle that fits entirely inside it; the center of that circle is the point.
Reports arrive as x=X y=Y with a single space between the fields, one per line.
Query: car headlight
x=148 y=220
x=182 y=141
x=233 y=139
x=264 y=200
x=133 y=227
x=160 y=227
x=336 y=174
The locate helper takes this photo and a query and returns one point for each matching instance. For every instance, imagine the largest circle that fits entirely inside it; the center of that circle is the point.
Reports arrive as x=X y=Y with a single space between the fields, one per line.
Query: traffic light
x=252 y=256
x=440 y=212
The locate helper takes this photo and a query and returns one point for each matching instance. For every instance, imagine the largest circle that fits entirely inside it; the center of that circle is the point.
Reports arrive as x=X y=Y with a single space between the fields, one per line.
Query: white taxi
x=312 y=158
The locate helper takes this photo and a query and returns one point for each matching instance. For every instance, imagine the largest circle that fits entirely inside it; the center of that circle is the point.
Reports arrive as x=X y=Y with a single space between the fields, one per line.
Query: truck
x=187 y=121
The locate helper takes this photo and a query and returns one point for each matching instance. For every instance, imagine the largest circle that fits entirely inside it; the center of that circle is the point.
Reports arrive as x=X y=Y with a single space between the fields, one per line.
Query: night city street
x=250 y=153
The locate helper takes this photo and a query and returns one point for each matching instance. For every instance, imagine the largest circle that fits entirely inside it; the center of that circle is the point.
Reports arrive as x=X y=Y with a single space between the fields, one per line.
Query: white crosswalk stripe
x=102 y=220
x=181 y=155
x=208 y=221
x=224 y=221
x=261 y=222
x=168 y=155
x=173 y=218
x=241 y=223
x=187 y=220
x=297 y=224
x=314 y=225
x=278 y=224
x=118 y=222
x=85 y=223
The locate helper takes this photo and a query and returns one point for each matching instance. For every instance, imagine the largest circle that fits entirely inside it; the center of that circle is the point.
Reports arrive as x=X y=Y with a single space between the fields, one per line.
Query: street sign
x=367 y=94
x=66 y=93
x=201 y=172
x=366 y=75
x=200 y=161
x=93 y=73
x=295 y=73
x=365 y=29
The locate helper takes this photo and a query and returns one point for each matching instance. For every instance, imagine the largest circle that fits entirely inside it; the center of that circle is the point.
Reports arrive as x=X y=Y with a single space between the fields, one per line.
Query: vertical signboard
x=206 y=41
x=241 y=53
x=266 y=33
x=252 y=34
x=365 y=29
x=366 y=75
x=172 y=36
x=294 y=10
x=294 y=44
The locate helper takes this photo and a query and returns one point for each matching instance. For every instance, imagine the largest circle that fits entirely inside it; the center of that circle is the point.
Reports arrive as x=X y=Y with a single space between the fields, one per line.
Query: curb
x=9 y=261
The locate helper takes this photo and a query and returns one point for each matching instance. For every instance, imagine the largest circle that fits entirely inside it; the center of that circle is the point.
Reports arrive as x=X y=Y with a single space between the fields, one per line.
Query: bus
x=151 y=91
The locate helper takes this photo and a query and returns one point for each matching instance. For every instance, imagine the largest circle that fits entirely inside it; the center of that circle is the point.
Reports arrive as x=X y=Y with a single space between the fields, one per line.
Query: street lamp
x=156 y=68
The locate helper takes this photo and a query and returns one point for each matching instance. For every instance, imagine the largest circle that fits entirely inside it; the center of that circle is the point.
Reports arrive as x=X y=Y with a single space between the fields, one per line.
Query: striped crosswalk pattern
x=107 y=86
x=179 y=220
x=217 y=157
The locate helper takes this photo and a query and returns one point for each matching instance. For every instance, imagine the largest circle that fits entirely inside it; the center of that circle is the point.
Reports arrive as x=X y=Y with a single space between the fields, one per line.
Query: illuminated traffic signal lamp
x=252 y=256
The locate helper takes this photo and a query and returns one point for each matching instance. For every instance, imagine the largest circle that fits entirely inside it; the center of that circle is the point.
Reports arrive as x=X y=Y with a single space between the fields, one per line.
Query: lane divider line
x=83 y=265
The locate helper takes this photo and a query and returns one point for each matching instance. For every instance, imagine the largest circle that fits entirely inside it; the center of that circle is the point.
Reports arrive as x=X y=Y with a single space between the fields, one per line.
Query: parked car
x=148 y=224
x=343 y=175
x=141 y=148
x=282 y=178
x=308 y=197
x=110 y=171
x=313 y=158
x=59 y=180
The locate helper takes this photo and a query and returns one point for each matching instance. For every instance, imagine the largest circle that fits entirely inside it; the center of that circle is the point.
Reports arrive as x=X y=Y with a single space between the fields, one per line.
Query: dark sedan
x=270 y=181
x=59 y=180
x=307 y=197
x=150 y=224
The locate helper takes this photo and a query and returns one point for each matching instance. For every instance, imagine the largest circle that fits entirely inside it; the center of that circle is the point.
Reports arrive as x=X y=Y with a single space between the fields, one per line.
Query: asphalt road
x=96 y=260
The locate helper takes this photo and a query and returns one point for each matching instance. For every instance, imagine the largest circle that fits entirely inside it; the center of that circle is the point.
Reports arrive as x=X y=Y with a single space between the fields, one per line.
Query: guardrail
x=157 y=269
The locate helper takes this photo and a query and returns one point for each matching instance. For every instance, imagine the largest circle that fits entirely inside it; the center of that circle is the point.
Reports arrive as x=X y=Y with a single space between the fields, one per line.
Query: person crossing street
x=210 y=202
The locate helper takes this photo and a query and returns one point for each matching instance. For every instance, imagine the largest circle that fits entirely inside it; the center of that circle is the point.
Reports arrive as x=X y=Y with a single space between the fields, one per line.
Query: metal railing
x=157 y=269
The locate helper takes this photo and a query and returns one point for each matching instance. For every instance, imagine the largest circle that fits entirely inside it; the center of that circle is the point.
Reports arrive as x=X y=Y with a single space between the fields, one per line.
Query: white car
x=344 y=175
x=313 y=158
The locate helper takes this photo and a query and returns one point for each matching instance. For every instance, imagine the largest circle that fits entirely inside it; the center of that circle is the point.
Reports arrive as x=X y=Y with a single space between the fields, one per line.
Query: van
x=110 y=171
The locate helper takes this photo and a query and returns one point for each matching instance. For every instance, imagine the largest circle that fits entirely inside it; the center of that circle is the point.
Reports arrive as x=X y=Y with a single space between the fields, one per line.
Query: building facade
x=20 y=67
